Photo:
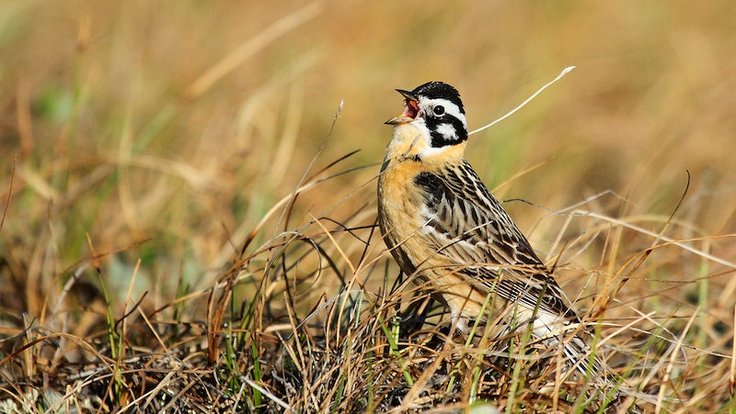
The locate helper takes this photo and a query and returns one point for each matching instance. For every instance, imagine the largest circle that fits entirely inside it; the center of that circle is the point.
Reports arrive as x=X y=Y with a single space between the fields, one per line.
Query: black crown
x=437 y=89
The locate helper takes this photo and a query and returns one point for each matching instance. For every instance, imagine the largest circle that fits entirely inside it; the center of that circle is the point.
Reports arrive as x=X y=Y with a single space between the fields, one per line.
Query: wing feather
x=469 y=227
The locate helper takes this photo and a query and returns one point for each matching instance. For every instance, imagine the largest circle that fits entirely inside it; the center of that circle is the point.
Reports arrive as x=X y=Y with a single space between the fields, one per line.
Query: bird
x=444 y=227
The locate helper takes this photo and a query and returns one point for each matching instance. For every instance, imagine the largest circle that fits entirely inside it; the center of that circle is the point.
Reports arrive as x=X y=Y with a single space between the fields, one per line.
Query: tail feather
x=580 y=357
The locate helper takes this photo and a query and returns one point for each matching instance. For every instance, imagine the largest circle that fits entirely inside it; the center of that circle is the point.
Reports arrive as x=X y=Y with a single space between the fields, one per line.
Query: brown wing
x=469 y=227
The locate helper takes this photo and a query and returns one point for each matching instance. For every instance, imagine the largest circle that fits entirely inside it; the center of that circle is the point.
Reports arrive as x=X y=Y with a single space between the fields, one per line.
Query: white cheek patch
x=447 y=131
x=450 y=108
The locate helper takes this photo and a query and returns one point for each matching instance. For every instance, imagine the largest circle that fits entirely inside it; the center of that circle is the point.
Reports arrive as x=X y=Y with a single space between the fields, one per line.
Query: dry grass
x=185 y=224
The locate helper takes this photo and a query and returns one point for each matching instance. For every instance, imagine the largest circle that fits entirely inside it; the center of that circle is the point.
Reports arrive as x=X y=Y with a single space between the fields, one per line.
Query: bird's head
x=435 y=107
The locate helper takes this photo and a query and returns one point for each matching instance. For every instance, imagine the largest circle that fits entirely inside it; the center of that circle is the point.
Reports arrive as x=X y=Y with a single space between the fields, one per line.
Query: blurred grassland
x=164 y=131
x=112 y=140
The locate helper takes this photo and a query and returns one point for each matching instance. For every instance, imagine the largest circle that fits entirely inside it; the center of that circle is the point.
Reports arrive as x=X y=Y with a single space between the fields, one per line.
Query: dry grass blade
x=656 y=235
x=671 y=364
x=732 y=377
x=231 y=61
x=10 y=194
x=268 y=394
x=526 y=101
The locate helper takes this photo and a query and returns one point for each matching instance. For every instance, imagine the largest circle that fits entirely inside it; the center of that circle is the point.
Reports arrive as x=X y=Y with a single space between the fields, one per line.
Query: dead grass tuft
x=268 y=334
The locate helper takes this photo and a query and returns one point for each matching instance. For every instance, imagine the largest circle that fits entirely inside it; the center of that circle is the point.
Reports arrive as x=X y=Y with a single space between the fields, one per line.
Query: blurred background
x=147 y=145
x=166 y=130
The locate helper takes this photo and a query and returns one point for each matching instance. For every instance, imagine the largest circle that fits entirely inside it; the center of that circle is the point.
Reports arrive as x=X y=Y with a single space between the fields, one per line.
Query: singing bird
x=445 y=228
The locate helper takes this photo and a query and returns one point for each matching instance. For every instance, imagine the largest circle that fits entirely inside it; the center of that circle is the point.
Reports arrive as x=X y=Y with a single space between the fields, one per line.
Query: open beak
x=411 y=109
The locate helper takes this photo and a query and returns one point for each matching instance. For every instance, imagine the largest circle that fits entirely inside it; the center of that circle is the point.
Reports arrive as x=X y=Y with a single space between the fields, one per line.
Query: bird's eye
x=439 y=110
